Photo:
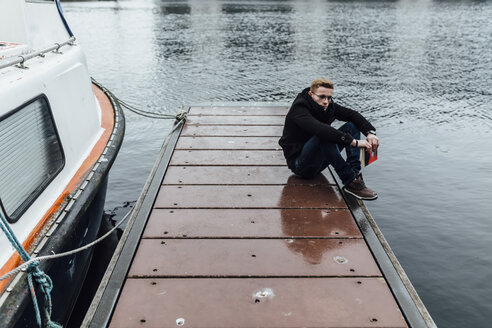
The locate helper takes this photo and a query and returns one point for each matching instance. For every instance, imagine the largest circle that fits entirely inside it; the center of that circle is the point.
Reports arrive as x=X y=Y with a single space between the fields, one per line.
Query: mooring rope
x=30 y=262
x=134 y=109
x=34 y=275
x=42 y=279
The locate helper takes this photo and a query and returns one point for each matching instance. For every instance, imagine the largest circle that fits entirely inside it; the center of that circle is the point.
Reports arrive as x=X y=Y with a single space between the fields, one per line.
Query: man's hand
x=361 y=144
x=373 y=141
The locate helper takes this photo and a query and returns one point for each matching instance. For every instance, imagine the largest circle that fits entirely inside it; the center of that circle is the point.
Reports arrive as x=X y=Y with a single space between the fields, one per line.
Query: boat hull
x=68 y=273
x=78 y=222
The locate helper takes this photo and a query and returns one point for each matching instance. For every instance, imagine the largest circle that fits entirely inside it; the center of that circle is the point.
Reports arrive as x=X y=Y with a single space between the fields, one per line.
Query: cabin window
x=30 y=155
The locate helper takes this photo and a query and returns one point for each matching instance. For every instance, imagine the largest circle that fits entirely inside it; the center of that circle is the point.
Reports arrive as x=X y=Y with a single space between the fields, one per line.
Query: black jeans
x=316 y=155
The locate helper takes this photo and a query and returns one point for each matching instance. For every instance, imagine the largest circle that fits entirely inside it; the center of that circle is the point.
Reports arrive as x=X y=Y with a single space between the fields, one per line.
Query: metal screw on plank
x=340 y=259
x=266 y=293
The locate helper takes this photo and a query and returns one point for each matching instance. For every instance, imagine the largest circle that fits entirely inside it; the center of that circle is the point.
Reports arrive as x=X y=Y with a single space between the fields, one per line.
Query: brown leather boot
x=358 y=189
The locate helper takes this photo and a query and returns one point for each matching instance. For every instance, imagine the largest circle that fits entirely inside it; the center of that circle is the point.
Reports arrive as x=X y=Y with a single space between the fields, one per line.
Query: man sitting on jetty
x=310 y=143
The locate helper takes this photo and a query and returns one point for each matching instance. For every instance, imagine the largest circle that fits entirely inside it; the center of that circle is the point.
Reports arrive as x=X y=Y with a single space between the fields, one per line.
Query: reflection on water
x=419 y=70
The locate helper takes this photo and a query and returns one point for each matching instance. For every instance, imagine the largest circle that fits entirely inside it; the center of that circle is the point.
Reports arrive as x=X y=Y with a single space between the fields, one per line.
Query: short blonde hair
x=321 y=82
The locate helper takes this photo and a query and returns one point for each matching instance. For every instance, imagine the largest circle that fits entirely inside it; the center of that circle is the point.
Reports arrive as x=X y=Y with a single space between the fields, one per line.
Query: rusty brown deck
x=233 y=239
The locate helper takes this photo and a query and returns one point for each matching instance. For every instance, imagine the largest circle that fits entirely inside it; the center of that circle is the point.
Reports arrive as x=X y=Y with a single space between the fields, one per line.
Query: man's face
x=322 y=96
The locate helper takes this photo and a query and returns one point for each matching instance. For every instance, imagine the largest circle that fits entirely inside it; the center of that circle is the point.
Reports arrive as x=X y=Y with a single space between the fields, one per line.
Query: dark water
x=419 y=70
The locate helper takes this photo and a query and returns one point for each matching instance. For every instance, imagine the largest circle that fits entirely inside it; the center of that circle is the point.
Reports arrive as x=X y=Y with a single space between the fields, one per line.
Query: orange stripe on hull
x=107 y=123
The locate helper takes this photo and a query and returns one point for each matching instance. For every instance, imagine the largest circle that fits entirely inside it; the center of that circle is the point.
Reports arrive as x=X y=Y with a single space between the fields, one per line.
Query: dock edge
x=413 y=309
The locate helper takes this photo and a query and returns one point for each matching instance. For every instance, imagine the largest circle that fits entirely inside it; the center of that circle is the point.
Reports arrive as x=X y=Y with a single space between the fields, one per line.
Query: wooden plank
x=236 y=120
x=264 y=143
x=272 y=302
x=250 y=196
x=239 y=110
x=233 y=130
x=261 y=258
x=228 y=157
x=223 y=175
x=253 y=223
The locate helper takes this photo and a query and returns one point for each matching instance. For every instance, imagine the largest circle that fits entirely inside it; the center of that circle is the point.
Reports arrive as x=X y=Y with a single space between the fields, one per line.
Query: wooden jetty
x=224 y=235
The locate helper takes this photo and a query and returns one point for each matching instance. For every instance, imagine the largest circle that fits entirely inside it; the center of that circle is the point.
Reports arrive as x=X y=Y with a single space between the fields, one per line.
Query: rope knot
x=33 y=266
x=181 y=116
x=43 y=280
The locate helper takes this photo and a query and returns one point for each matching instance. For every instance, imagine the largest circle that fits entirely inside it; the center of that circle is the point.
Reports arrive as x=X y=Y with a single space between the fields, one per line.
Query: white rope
x=24 y=265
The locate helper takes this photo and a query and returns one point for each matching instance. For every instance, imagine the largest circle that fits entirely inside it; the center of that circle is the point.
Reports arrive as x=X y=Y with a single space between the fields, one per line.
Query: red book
x=367 y=157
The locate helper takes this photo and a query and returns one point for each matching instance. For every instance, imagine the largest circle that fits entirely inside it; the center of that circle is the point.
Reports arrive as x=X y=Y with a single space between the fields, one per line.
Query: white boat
x=59 y=136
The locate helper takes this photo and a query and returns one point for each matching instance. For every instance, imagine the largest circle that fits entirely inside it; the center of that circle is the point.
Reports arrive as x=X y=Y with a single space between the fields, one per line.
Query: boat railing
x=21 y=59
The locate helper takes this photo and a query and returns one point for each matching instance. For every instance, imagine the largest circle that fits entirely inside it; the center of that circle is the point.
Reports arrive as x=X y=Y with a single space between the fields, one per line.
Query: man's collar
x=311 y=101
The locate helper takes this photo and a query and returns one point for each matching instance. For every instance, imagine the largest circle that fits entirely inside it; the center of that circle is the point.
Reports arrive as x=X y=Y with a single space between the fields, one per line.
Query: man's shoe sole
x=359 y=197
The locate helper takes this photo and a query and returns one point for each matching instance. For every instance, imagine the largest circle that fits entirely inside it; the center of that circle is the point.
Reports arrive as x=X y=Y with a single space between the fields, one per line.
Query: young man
x=310 y=143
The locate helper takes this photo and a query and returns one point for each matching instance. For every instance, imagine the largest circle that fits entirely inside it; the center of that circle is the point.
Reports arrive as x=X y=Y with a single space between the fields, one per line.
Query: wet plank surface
x=251 y=196
x=269 y=143
x=228 y=157
x=235 y=239
x=254 y=223
x=239 y=110
x=261 y=258
x=233 y=130
x=256 y=175
x=266 y=302
x=236 y=120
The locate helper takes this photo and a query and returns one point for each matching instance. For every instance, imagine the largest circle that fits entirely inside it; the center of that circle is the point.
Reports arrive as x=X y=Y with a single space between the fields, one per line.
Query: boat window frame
x=26 y=204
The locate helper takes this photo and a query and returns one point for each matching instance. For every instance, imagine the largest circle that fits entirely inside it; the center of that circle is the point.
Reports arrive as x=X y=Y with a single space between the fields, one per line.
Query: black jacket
x=306 y=118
